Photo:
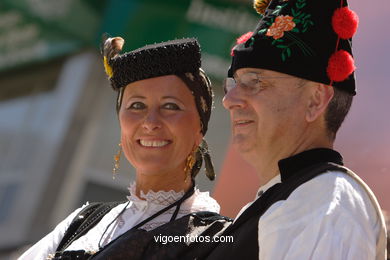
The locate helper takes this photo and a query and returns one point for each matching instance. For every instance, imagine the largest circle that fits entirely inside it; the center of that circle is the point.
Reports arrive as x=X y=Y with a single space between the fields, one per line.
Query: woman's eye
x=171 y=106
x=137 y=106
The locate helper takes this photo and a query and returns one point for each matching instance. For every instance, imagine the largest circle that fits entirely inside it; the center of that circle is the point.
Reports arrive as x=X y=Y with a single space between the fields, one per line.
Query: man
x=290 y=86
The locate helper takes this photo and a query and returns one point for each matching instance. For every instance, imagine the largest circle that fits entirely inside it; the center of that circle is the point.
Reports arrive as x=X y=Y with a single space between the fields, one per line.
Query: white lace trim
x=139 y=210
x=156 y=197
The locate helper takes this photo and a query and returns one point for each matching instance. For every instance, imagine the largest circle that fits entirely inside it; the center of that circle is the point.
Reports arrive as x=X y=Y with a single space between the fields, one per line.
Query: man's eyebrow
x=260 y=73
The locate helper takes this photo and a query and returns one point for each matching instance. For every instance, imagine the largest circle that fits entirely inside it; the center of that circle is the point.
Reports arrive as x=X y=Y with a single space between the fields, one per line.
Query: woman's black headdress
x=178 y=57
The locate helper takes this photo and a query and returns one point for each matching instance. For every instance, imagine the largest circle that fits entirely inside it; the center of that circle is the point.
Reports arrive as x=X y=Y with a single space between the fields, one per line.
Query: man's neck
x=267 y=167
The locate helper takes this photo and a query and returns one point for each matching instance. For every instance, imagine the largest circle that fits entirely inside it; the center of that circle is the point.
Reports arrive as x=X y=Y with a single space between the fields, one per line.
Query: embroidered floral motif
x=284 y=28
x=283 y=23
x=190 y=76
x=203 y=104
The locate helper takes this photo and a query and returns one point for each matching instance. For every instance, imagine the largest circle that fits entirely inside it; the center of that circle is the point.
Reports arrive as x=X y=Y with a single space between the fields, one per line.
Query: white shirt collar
x=268 y=185
x=164 y=198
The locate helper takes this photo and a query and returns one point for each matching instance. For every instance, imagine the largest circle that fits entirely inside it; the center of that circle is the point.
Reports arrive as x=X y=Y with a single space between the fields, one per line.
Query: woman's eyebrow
x=137 y=96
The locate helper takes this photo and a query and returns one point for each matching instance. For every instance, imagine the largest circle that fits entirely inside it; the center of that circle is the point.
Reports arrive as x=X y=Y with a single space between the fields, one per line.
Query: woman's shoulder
x=48 y=244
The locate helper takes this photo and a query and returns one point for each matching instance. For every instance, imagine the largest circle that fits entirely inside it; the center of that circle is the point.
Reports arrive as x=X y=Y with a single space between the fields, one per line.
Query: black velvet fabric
x=167 y=58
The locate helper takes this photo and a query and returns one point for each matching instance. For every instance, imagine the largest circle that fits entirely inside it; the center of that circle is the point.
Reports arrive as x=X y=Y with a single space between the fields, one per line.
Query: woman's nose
x=152 y=121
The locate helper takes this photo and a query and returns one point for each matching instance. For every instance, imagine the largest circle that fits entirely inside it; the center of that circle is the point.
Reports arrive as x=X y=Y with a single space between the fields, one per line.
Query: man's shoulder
x=333 y=193
x=336 y=189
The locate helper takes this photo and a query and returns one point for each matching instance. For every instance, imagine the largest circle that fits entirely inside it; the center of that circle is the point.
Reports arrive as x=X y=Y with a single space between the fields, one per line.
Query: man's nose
x=234 y=99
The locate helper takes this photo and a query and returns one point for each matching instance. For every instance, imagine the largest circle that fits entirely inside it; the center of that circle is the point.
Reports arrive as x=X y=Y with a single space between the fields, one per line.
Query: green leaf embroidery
x=293 y=12
x=295 y=30
x=276 y=12
x=288 y=52
x=302 y=23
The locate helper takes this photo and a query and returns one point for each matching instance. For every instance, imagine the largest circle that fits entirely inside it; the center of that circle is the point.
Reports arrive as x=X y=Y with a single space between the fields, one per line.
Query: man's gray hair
x=336 y=111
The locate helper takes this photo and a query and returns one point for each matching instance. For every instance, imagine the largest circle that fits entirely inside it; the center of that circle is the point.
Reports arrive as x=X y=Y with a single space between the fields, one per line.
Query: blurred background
x=58 y=126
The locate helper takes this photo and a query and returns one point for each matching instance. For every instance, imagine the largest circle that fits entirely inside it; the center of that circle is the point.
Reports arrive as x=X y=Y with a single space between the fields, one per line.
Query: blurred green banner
x=215 y=23
x=38 y=30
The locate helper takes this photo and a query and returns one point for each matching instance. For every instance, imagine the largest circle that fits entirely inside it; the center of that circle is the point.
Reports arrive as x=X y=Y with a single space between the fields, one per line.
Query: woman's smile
x=157 y=143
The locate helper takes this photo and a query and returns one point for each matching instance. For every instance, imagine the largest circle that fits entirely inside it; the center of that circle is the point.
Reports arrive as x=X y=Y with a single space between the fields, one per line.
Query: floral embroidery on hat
x=283 y=28
x=283 y=23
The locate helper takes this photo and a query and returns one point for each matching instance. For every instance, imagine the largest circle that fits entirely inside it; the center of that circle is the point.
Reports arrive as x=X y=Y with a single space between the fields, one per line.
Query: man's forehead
x=263 y=72
x=246 y=70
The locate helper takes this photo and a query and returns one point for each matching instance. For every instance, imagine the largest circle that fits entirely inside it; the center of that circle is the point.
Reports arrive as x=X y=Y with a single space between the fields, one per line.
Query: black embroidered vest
x=295 y=171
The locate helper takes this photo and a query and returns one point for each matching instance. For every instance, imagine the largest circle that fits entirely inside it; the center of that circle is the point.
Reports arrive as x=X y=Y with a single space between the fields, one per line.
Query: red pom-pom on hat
x=243 y=38
x=340 y=66
x=345 y=22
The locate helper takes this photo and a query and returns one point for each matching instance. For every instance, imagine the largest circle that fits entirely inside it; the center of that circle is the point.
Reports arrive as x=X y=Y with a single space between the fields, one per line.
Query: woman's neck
x=162 y=182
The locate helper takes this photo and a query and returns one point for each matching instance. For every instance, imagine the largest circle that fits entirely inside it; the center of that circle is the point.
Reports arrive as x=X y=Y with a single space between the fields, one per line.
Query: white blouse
x=137 y=210
x=329 y=217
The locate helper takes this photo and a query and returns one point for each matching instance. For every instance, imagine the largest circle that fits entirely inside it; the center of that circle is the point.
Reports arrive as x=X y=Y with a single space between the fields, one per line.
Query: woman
x=164 y=104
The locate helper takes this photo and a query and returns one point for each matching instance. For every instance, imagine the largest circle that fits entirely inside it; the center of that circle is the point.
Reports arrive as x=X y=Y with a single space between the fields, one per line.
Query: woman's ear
x=199 y=138
x=320 y=97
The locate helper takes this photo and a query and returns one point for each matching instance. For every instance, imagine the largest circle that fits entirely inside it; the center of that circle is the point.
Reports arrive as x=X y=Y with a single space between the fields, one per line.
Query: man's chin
x=243 y=145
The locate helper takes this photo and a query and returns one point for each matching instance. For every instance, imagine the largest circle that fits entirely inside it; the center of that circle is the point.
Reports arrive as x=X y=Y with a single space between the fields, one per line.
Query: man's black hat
x=303 y=38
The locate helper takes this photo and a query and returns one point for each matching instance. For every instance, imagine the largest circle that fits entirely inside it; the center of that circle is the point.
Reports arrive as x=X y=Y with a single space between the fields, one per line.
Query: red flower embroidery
x=283 y=23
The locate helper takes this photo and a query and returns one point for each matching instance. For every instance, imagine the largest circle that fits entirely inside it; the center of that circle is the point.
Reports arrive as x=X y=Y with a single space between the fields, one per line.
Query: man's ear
x=320 y=97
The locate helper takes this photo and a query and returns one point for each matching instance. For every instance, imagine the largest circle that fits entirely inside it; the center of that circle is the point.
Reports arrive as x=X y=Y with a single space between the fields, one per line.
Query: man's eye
x=253 y=86
x=137 y=106
x=171 y=106
x=250 y=85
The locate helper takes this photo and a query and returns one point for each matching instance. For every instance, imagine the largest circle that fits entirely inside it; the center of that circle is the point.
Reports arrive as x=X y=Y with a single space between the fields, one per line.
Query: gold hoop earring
x=117 y=158
x=190 y=161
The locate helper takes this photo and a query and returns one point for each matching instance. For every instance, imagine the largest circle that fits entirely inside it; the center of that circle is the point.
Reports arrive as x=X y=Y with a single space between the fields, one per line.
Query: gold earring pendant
x=117 y=158
x=189 y=164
